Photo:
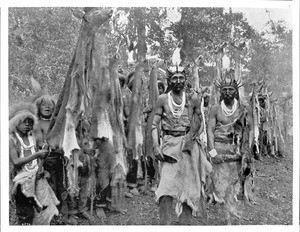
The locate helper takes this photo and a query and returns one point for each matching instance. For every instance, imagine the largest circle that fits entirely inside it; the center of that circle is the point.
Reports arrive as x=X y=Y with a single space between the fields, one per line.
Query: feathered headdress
x=176 y=62
x=228 y=79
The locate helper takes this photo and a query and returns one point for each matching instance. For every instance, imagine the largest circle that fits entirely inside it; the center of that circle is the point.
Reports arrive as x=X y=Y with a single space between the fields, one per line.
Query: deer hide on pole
x=117 y=121
x=119 y=169
x=195 y=76
x=153 y=95
x=100 y=121
x=256 y=118
x=74 y=99
x=134 y=122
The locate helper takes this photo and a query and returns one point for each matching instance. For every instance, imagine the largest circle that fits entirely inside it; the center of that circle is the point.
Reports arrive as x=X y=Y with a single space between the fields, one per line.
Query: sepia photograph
x=150 y=115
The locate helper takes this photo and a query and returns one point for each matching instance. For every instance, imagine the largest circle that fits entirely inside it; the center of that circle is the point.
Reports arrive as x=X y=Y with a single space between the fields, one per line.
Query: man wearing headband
x=180 y=178
x=222 y=147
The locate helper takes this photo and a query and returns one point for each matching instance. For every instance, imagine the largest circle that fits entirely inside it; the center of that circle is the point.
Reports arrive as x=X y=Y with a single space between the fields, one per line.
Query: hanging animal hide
x=241 y=139
x=135 y=136
x=74 y=100
x=116 y=113
x=153 y=95
x=256 y=119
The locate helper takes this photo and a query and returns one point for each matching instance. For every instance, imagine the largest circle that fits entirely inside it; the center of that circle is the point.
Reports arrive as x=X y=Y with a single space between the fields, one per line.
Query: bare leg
x=165 y=213
x=186 y=215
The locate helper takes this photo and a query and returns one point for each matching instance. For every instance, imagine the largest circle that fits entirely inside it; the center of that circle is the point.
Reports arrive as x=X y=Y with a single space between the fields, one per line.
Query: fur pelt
x=20 y=111
x=104 y=162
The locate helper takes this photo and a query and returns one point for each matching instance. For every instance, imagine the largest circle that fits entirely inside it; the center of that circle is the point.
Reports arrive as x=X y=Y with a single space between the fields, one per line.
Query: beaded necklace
x=33 y=164
x=229 y=112
x=176 y=109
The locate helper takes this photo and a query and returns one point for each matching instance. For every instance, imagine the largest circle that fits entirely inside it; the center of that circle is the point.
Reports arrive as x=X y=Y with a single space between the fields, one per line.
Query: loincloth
x=225 y=177
x=180 y=180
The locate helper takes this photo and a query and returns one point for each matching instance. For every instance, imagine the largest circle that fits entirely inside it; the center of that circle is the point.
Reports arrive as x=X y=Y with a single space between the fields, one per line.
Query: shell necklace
x=229 y=112
x=176 y=109
x=33 y=164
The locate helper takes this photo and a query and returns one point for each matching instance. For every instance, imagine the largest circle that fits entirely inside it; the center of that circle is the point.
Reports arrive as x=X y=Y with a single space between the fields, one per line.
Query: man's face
x=25 y=126
x=228 y=93
x=46 y=108
x=177 y=82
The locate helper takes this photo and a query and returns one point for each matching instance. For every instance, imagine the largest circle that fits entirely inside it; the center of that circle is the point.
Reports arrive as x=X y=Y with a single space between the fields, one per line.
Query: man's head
x=25 y=126
x=229 y=87
x=228 y=93
x=45 y=105
x=22 y=117
x=176 y=78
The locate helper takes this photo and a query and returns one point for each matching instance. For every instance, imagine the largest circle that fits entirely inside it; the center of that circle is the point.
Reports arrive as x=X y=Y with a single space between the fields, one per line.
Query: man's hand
x=42 y=154
x=158 y=154
x=213 y=153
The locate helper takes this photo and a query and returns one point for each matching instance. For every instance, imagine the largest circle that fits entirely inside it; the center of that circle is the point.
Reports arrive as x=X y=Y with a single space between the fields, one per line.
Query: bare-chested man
x=180 y=178
x=221 y=147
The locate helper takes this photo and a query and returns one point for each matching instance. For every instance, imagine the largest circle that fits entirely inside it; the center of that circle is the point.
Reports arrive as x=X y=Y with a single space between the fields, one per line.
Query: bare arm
x=17 y=161
x=197 y=104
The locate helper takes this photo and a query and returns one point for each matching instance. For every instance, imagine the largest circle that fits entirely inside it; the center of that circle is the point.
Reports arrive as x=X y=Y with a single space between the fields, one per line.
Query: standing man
x=180 y=178
x=222 y=150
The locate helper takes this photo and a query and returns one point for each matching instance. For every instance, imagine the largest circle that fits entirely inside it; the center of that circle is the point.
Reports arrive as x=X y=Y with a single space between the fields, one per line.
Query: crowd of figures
x=200 y=154
x=192 y=145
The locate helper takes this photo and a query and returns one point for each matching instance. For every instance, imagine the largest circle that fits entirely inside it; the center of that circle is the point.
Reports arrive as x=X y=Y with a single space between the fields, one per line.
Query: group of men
x=189 y=172
x=184 y=170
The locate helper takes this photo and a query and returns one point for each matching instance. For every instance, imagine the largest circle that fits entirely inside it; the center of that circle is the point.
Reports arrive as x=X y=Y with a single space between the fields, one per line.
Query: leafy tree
x=41 y=44
x=204 y=29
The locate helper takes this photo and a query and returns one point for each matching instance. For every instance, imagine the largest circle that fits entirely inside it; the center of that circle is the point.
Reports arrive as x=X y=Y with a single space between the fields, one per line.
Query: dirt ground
x=272 y=202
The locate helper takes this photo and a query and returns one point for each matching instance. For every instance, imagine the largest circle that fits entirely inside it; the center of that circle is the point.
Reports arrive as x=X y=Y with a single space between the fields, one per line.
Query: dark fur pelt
x=241 y=139
x=104 y=162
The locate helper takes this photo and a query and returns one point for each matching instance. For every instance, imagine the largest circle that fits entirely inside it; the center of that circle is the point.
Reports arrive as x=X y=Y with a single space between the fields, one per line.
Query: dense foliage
x=42 y=42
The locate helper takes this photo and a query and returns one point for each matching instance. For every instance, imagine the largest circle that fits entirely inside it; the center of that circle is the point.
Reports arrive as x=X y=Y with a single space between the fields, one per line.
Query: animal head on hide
x=21 y=111
x=45 y=105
